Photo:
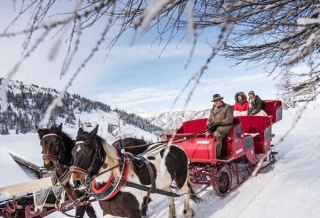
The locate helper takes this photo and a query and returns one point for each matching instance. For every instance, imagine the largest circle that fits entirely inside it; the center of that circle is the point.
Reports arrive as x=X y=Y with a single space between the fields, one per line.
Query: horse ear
x=94 y=131
x=80 y=131
x=60 y=127
x=38 y=129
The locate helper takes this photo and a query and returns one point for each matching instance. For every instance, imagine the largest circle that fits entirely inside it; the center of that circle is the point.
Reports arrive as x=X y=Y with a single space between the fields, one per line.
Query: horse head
x=90 y=154
x=56 y=146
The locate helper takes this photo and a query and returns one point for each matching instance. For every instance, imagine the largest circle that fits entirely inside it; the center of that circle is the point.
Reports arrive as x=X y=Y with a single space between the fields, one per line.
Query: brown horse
x=112 y=175
x=56 y=150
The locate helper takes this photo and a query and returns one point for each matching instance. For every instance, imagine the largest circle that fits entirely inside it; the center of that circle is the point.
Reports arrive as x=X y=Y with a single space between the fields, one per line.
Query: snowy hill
x=27 y=105
x=290 y=190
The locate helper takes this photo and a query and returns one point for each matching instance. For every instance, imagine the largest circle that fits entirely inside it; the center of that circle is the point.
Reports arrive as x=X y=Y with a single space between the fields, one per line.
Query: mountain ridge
x=27 y=104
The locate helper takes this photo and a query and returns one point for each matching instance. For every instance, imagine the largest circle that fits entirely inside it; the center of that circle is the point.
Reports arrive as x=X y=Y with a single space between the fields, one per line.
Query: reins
x=75 y=169
x=185 y=137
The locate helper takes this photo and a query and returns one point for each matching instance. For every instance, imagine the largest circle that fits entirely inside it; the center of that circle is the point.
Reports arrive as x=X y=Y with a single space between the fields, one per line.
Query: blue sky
x=138 y=76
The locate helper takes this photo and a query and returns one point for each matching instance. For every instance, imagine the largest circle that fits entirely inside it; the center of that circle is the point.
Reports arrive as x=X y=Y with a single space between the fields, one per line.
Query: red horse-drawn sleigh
x=248 y=146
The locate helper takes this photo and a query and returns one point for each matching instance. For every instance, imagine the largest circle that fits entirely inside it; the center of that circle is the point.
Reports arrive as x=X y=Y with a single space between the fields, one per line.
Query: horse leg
x=187 y=210
x=90 y=211
x=172 y=208
x=144 y=206
x=124 y=204
x=80 y=211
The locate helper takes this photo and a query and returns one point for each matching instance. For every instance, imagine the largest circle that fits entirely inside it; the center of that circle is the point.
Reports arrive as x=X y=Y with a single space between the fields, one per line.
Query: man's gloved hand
x=211 y=127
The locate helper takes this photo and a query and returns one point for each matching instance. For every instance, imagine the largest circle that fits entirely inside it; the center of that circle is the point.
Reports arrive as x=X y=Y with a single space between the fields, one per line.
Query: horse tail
x=193 y=196
x=90 y=211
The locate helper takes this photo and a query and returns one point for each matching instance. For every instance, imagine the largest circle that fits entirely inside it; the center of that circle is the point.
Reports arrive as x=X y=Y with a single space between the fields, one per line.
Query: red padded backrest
x=254 y=124
x=194 y=126
x=271 y=107
x=199 y=125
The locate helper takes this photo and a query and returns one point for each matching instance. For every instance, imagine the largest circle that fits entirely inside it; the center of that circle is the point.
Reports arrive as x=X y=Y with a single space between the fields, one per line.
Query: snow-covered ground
x=291 y=189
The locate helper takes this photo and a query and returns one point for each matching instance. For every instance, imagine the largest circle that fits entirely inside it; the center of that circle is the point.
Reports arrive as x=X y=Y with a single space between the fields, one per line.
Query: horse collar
x=113 y=185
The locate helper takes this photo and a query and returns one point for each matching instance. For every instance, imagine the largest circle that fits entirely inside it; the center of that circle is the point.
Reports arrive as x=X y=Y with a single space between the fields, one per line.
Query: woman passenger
x=241 y=105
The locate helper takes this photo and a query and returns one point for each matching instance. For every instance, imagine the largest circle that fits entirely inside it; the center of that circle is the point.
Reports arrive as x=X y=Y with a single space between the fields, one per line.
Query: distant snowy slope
x=171 y=121
x=27 y=105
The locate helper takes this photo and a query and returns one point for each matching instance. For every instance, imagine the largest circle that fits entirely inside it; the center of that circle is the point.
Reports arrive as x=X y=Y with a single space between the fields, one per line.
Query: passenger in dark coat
x=255 y=105
x=220 y=120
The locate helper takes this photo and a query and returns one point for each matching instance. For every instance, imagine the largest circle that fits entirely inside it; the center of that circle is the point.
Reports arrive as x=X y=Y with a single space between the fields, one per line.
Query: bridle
x=52 y=157
x=98 y=158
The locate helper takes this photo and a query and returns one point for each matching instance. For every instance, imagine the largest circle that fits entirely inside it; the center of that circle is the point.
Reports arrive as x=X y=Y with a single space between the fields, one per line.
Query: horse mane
x=112 y=157
x=67 y=139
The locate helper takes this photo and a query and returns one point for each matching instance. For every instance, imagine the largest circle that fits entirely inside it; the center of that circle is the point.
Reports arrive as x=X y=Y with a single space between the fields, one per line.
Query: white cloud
x=162 y=98
x=137 y=96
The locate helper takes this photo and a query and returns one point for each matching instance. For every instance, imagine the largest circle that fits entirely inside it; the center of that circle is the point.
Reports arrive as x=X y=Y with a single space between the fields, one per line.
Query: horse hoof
x=189 y=213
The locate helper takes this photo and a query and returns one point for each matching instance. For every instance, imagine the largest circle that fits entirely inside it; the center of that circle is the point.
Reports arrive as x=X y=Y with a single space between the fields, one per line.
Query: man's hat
x=216 y=97
x=251 y=93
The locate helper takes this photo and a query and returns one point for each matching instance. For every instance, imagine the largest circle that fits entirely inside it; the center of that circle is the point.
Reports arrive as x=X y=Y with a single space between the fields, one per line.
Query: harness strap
x=144 y=206
x=107 y=170
x=151 y=173
x=50 y=134
x=50 y=157
x=60 y=179
x=145 y=188
x=75 y=204
x=77 y=170
x=157 y=146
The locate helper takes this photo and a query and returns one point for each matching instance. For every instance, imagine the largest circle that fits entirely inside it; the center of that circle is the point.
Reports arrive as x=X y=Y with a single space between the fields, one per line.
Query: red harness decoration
x=104 y=187
x=119 y=185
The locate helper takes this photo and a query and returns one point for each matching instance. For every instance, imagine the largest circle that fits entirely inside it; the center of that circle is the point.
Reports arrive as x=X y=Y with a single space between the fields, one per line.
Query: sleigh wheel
x=222 y=183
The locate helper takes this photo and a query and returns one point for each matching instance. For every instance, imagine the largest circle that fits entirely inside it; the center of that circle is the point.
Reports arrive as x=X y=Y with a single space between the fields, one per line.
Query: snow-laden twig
x=307 y=47
x=260 y=163
x=56 y=47
x=151 y=11
x=190 y=24
x=57 y=100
